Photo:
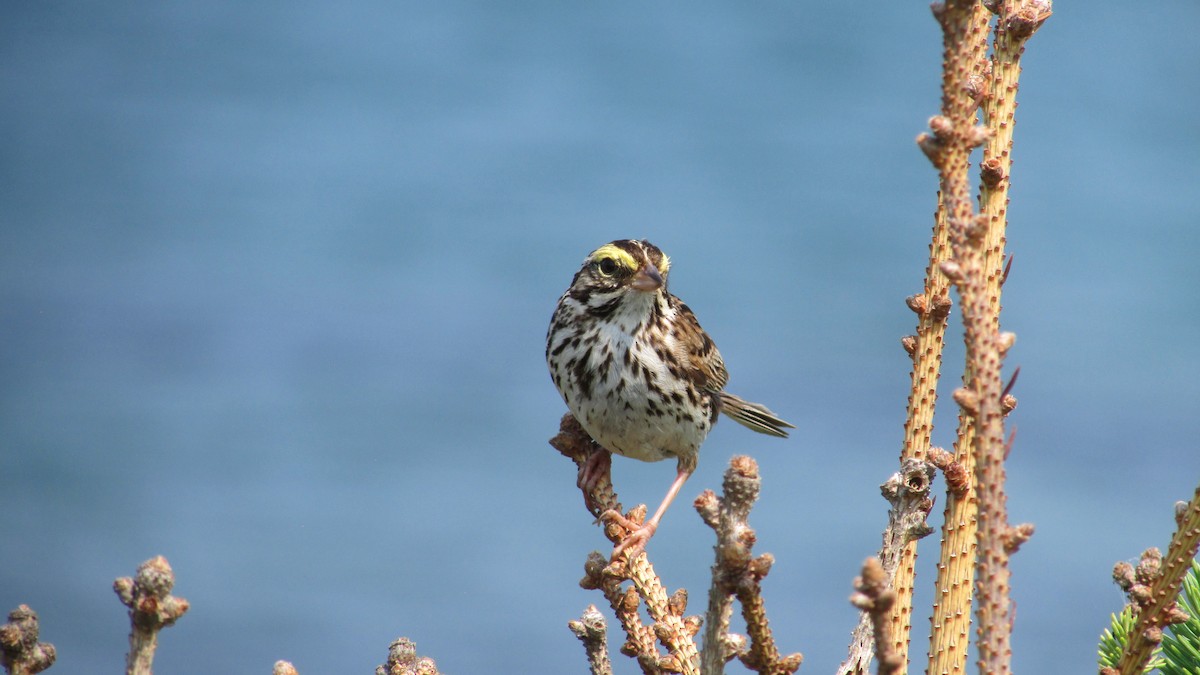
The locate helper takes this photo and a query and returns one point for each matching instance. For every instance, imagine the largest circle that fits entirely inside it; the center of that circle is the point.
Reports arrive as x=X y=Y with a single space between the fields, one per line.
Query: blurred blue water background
x=276 y=278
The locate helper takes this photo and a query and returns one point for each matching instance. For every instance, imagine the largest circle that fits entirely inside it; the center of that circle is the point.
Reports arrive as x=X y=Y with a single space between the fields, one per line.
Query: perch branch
x=639 y=638
x=670 y=627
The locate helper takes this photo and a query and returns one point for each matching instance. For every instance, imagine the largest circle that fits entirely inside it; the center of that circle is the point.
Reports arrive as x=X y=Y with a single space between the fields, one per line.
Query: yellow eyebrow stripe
x=623 y=257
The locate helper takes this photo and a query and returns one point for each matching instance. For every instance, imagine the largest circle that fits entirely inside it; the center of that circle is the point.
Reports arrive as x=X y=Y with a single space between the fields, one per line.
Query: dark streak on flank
x=583 y=376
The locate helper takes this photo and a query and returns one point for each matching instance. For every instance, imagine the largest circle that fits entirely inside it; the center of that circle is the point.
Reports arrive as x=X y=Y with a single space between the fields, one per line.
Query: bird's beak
x=647 y=279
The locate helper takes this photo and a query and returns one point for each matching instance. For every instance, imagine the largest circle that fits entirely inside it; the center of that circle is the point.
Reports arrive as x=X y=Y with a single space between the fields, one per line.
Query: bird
x=637 y=371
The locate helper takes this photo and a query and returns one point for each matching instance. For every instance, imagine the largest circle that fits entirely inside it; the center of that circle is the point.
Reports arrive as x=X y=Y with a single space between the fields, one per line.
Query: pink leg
x=640 y=536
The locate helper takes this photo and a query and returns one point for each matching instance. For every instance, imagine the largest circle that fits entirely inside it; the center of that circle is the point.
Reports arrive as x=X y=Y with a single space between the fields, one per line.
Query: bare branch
x=908 y=492
x=20 y=651
x=403 y=660
x=874 y=596
x=151 y=608
x=592 y=631
x=736 y=573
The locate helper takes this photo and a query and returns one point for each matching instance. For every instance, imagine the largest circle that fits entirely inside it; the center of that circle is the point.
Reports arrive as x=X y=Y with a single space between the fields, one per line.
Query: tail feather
x=754 y=416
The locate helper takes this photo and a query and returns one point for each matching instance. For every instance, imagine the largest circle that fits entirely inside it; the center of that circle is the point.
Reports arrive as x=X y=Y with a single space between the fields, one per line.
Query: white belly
x=650 y=416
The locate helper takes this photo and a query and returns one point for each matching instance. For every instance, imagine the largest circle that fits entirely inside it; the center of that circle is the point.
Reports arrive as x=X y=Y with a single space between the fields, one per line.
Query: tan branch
x=964 y=46
x=639 y=639
x=670 y=627
x=673 y=630
x=977 y=251
x=951 y=619
x=977 y=271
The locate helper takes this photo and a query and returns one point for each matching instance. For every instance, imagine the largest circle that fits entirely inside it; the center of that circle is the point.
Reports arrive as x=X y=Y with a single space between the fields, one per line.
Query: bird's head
x=626 y=265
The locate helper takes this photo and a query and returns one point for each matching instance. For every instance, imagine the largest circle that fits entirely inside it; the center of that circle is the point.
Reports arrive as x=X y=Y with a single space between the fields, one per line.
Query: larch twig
x=151 y=608
x=402 y=659
x=20 y=651
x=670 y=627
x=1153 y=586
x=736 y=573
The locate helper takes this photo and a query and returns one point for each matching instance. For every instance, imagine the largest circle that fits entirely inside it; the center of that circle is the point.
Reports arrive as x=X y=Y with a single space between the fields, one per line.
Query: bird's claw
x=635 y=542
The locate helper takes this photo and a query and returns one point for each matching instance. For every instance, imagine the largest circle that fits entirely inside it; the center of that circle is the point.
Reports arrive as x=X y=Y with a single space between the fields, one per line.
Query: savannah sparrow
x=637 y=370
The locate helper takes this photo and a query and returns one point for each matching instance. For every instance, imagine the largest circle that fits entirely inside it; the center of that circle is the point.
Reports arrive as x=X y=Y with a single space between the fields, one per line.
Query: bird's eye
x=607 y=267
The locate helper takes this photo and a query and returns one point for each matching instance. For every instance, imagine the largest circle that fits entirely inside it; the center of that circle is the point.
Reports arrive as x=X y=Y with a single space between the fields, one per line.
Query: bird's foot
x=594 y=470
x=639 y=535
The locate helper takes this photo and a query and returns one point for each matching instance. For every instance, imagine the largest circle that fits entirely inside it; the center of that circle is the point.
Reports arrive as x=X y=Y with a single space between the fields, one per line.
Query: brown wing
x=696 y=350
